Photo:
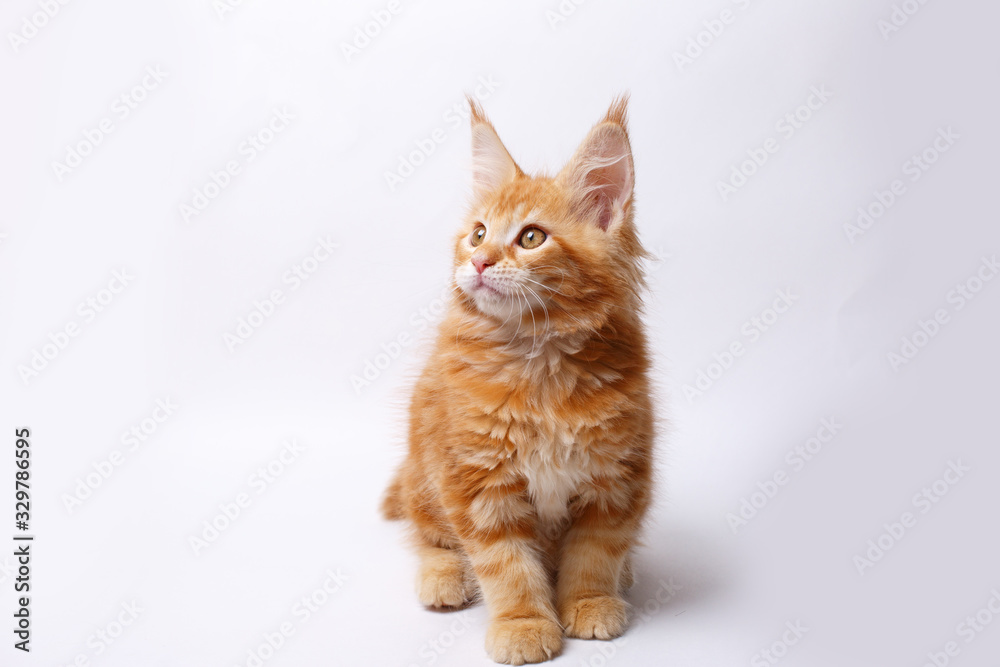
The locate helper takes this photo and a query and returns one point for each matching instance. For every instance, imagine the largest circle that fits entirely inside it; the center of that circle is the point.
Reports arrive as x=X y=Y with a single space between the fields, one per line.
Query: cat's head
x=561 y=250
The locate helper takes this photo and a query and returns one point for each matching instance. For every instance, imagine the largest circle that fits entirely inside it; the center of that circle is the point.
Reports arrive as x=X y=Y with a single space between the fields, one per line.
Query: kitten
x=531 y=428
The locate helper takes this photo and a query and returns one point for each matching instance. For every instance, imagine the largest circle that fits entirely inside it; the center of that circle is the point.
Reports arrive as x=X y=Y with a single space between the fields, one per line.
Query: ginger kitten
x=531 y=428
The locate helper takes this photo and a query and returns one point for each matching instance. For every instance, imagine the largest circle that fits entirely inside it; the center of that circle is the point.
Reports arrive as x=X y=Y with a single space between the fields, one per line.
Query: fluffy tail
x=392 y=502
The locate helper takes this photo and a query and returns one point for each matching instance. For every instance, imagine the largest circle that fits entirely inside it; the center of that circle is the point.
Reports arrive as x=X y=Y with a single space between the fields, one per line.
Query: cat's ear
x=492 y=165
x=600 y=176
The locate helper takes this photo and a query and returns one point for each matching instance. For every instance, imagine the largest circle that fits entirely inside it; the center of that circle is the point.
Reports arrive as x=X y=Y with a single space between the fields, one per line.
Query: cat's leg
x=393 y=507
x=493 y=517
x=594 y=567
x=445 y=578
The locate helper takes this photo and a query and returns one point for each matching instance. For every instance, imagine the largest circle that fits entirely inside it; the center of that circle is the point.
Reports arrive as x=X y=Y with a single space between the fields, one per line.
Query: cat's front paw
x=601 y=617
x=516 y=641
x=445 y=584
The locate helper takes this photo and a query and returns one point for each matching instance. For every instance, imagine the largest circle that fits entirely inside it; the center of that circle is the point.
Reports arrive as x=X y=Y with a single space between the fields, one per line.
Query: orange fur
x=531 y=428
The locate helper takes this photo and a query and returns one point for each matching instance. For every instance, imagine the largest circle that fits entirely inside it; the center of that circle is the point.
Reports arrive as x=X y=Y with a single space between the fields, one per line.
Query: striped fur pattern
x=531 y=428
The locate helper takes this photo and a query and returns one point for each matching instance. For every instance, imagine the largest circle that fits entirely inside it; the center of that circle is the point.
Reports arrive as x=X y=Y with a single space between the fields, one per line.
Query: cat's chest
x=556 y=471
x=554 y=429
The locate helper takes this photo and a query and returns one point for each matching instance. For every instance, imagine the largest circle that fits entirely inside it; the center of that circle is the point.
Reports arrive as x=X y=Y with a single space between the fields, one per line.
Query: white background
x=721 y=263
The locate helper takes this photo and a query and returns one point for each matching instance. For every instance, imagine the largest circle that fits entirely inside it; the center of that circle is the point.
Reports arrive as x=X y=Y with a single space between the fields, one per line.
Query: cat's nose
x=481 y=262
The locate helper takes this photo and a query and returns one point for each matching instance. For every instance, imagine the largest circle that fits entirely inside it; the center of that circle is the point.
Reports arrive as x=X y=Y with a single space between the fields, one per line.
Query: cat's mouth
x=483 y=286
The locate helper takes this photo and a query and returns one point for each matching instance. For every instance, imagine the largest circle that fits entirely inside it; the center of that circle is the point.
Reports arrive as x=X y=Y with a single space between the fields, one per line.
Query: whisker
x=531 y=311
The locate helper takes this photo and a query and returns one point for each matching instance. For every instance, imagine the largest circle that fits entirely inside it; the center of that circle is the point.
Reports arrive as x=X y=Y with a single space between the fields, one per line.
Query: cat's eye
x=532 y=237
x=478 y=234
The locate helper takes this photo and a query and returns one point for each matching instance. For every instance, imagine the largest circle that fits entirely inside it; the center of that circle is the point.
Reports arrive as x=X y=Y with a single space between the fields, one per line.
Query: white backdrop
x=225 y=233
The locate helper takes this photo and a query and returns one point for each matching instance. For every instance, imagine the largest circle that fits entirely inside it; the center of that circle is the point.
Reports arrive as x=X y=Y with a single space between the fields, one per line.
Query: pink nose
x=481 y=263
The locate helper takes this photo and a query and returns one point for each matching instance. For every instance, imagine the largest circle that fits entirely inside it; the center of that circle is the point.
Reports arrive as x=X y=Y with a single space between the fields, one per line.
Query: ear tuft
x=618 y=112
x=476 y=111
x=601 y=173
x=492 y=165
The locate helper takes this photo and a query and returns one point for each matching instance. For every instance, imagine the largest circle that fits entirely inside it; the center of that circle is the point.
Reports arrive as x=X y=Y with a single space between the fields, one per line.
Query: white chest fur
x=554 y=474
